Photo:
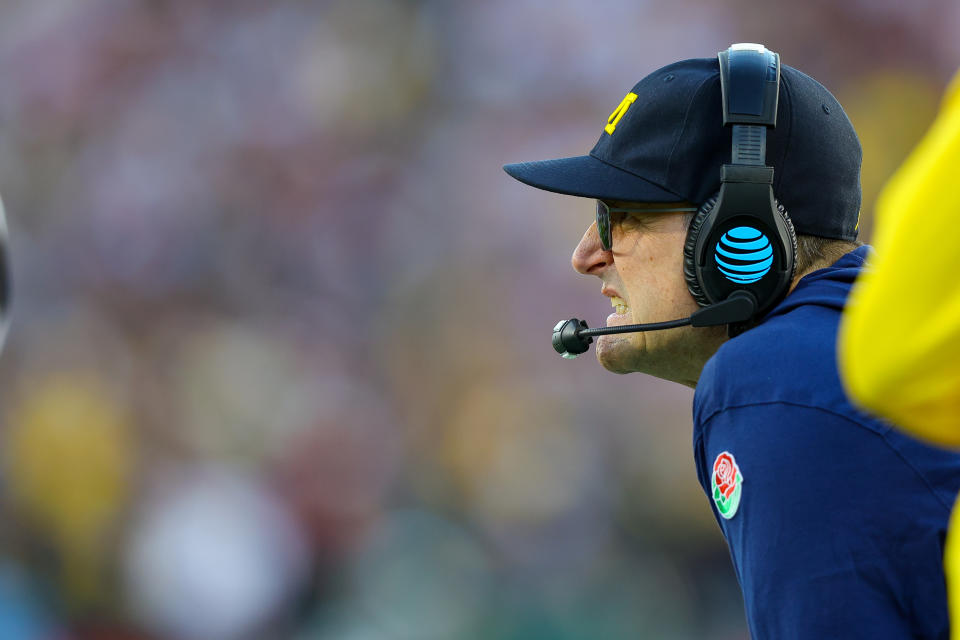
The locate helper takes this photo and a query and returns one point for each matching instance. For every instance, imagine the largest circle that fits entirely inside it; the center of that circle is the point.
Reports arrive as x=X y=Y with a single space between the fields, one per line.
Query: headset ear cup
x=788 y=223
x=690 y=250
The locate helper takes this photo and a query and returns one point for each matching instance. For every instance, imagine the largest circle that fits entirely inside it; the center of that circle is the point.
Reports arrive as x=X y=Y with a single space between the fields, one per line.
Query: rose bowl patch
x=727 y=483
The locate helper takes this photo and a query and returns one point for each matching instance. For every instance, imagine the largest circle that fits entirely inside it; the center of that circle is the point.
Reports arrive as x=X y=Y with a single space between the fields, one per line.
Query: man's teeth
x=619 y=305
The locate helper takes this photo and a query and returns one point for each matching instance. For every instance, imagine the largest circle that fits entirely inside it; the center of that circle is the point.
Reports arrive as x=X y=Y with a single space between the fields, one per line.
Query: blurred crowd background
x=279 y=364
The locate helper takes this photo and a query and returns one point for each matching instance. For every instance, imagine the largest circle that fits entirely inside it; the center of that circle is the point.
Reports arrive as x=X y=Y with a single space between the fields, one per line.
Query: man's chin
x=613 y=353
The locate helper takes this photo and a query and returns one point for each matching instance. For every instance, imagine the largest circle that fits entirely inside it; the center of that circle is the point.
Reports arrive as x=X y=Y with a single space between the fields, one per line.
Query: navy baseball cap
x=667 y=142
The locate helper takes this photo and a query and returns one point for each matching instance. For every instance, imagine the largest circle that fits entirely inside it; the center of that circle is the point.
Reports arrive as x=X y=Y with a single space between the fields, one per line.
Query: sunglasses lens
x=603 y=224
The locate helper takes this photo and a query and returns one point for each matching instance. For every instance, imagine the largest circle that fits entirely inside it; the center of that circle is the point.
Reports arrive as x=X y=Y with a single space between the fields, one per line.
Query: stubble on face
x=677 y=355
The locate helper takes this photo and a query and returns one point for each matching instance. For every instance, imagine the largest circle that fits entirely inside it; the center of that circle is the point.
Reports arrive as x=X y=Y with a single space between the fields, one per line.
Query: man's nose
x=590 y=258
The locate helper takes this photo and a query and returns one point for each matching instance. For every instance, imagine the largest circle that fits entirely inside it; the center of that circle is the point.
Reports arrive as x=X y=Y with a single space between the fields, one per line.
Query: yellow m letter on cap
x=618 y=112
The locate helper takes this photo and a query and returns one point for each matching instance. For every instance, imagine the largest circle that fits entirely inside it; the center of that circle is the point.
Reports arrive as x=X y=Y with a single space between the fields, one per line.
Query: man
x=835 y=523
x=900 y=336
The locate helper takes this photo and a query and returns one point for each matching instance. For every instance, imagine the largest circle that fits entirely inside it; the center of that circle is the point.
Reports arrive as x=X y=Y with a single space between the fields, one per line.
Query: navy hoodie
x=835 y=521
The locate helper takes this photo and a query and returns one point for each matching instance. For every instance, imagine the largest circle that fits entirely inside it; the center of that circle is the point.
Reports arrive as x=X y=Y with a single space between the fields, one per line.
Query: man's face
x=643 y=274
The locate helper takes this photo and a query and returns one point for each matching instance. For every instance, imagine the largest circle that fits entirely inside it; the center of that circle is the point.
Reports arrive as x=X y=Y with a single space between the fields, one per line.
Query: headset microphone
x=572 y=337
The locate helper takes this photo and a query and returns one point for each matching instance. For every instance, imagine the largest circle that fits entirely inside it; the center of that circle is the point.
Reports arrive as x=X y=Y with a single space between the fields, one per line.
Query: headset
x=740 y=251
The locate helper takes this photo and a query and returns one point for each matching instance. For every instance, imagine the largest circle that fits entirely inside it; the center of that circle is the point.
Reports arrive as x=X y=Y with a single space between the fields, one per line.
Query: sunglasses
x=603 y=219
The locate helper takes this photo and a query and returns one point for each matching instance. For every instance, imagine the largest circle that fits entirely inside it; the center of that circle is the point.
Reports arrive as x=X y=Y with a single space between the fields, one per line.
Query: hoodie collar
x=826 y=287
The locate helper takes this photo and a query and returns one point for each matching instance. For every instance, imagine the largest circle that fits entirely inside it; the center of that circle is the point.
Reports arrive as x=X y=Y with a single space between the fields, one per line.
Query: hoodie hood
x=828 y=287
x=790 y=356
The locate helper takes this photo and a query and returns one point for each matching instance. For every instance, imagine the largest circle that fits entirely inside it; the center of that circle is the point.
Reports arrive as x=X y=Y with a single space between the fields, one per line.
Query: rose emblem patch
x=727 y=482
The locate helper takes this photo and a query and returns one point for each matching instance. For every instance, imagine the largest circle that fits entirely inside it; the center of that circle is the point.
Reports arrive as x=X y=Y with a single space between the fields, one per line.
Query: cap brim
x=588 y=177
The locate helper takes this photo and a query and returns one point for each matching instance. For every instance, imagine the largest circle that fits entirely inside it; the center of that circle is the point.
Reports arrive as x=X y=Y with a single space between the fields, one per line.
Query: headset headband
x=750 y=86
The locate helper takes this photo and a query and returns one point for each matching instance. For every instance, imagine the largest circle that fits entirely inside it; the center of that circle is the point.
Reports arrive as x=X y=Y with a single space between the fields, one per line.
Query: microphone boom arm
x=572 y=337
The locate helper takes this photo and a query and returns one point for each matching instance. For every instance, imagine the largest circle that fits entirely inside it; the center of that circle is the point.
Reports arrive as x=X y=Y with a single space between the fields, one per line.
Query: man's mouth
x=619 y=305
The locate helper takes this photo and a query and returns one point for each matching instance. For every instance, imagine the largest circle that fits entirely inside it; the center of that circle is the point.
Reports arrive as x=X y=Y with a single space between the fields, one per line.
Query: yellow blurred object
x=900 y=338
x=951 y=561
x=69 y=457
